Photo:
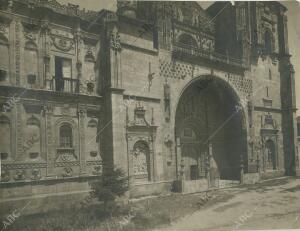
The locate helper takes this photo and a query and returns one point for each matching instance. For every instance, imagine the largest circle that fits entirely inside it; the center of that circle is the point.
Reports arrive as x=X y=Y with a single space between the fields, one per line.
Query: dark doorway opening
x=209 y=108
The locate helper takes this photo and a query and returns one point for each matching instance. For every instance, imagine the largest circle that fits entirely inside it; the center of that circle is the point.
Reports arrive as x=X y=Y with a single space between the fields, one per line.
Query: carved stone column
x=78 y=44
x=129 y=140
x=19 y=132
x=45 y=30
x=81 y=135
x=17 y=47
x=49 y=137
x=167 y=99
x=153 y=154
x=115 y=59
x=178 y=153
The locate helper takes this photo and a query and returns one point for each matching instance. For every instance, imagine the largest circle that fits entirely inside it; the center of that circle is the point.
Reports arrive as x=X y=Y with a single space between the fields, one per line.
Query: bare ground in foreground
x=272 y=204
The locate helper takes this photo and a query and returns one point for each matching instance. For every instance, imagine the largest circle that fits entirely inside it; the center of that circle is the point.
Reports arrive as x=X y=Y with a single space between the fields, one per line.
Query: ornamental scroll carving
x=5 y=176
x=3 y=29
x=62 y=41
x=36 y=174
x=67 y=172
x=139 y=117
x=115 y=42
x=30 y=31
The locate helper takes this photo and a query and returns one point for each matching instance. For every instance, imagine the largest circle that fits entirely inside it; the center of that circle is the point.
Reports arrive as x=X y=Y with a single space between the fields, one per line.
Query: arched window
x=65 y=136
x=5 y=139
x=141 y=161
x=268 y=42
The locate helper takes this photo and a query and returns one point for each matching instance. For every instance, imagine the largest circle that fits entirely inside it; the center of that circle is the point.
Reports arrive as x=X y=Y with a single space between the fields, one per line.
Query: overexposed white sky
x=293 y=28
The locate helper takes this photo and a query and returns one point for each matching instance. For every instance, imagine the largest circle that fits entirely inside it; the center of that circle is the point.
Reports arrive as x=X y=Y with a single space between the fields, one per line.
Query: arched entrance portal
x=209 y=126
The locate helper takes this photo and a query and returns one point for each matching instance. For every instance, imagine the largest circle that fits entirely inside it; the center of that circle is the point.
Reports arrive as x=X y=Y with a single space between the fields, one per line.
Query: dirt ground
x=273 y=204
x=270 y=205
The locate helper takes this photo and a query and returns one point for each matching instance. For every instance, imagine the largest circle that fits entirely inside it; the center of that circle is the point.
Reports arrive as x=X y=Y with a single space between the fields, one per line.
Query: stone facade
x=298 y=144
x=83 y=89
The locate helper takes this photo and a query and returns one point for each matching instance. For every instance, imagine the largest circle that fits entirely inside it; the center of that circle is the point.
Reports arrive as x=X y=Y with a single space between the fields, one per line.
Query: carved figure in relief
x=140 y=163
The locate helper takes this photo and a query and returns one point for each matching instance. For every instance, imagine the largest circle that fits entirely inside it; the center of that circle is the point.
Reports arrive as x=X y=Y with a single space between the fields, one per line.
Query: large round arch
x=209 y=121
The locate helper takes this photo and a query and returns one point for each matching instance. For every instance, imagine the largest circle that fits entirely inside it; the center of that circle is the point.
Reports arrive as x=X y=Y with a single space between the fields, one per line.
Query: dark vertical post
x=242 y=170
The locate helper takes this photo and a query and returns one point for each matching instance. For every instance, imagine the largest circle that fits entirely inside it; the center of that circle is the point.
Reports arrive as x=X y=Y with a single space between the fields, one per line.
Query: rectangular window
x=63 y=67
x=66 y=68
x=63 y=74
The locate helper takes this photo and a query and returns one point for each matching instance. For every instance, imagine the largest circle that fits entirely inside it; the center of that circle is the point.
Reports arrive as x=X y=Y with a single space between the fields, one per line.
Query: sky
x=293 y=14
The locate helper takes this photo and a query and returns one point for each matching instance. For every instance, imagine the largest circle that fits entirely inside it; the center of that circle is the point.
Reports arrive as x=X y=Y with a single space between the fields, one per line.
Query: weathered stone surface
x=207 y=101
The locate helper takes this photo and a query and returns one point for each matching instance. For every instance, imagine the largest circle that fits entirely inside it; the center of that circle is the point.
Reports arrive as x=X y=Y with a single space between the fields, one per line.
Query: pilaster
x=288 y=114
x=81 y=135
x=49 y=137
x=17 y=47
x=19 y=132
x=45 y=31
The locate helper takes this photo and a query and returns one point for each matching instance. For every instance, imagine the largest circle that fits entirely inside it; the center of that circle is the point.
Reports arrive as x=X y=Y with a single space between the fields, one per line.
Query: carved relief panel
x=269 y=152
x=141 y=153
x=141 y=161
x=62 y=41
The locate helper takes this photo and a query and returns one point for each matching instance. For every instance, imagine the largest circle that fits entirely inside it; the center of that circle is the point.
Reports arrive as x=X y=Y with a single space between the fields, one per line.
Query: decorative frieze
x=178 y=70
x=240 y=83
x=14 y=166
x=65 y=155
x=175 y=70
x=94 y=162
x=66 y=164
